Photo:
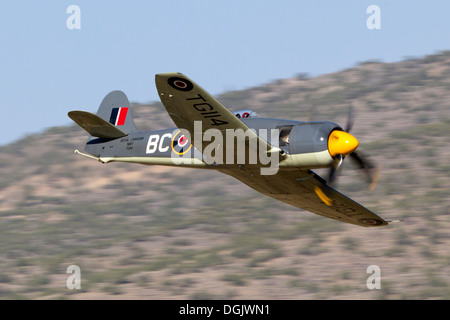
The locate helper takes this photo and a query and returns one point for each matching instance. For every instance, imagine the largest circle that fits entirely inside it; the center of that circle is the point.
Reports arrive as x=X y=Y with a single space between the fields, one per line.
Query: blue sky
x=47 y=69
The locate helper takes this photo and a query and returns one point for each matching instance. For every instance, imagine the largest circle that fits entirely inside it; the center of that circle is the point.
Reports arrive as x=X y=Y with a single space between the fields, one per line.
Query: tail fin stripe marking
x=122 y=116
x=113 y=117
x=118 y=116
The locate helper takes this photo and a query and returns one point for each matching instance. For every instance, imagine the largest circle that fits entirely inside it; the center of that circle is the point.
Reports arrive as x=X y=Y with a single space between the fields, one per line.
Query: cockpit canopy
x=247 y=113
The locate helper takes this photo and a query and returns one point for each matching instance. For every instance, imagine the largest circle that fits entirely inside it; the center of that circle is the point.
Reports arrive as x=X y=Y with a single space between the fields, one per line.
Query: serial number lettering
x=206 y=110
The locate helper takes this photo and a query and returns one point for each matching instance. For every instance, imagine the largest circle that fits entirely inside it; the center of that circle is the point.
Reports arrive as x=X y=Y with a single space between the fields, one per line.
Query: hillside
x=140 y=232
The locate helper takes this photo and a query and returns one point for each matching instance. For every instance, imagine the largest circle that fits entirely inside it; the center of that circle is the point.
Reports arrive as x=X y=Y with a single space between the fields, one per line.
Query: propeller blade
x=369 y=169
x=350 y=120
x=334 y=170
x=331 y=175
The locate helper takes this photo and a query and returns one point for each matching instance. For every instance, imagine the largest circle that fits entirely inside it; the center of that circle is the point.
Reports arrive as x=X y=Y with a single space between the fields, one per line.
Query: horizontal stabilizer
x=95 y=125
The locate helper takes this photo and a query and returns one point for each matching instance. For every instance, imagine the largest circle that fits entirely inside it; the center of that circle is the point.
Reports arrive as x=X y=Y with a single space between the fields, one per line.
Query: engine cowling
x=307 y=144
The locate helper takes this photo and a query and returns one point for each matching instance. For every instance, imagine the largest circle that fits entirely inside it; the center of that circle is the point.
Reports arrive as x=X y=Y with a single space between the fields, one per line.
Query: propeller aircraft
x=272 y=156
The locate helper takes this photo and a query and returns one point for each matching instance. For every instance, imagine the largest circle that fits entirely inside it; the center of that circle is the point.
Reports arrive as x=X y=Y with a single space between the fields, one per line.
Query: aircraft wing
x=187 y=103
x=308 y=191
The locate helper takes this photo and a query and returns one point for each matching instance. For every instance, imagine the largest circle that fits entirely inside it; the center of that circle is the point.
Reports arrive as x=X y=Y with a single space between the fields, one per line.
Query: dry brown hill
x=141 y=232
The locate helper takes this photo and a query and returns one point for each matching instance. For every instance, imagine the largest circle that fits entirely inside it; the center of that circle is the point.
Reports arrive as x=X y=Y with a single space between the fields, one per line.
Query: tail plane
x=113 y=119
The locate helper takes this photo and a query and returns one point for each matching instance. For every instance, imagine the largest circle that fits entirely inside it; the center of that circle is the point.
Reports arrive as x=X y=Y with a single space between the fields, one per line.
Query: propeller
x=342 y=144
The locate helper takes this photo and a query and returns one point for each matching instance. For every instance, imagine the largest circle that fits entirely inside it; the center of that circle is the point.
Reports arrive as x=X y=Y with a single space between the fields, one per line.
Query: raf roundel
x=371 y=222
x=182 y=141
x=180 y=84
x=180 y=144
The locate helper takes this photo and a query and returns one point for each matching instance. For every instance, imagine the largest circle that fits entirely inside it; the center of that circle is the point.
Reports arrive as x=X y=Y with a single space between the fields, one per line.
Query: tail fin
x=113 y=119
x=115 y=108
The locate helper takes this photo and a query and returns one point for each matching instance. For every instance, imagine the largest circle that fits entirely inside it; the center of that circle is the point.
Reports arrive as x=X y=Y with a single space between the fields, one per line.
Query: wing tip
x=373 y=222
x=168 y=75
